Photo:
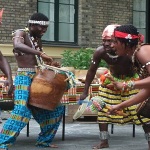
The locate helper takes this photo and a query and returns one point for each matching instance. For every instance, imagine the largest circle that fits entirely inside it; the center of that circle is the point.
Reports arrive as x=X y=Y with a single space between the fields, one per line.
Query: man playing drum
x=27 y=45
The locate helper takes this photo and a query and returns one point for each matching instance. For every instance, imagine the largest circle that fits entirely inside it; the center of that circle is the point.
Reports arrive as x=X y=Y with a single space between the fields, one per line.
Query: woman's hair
x=129 y=29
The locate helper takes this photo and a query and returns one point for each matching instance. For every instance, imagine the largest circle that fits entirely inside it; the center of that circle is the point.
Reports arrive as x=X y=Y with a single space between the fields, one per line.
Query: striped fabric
x=114 y=97
x=72 y=95
x=48 y=120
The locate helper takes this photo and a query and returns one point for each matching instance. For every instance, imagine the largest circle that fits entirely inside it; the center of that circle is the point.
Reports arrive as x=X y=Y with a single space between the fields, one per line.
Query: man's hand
x=55 y=64
x=83 y=96
x=9 y=84
x=47 y=59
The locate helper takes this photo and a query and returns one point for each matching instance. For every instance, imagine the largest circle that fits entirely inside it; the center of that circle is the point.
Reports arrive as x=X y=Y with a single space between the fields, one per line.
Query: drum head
x=81 y=108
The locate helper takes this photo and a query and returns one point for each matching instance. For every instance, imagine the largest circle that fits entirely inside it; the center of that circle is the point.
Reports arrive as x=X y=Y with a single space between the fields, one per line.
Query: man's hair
x=39 y=17
x=130 y=29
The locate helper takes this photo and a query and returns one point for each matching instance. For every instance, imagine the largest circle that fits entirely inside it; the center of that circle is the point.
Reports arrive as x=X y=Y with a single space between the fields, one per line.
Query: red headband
x=1 y=14
x=125 y=35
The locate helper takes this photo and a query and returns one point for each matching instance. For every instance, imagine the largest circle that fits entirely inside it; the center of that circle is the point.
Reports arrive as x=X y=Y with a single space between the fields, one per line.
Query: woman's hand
x=118 y=85
x=113 y=109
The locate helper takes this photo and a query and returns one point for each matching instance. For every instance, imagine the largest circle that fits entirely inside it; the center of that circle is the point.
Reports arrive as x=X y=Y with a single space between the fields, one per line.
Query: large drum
x=48 y=87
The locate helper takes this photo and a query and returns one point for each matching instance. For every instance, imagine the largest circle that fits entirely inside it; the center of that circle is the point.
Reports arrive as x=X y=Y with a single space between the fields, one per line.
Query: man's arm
x=97 y=56
x=20 y=45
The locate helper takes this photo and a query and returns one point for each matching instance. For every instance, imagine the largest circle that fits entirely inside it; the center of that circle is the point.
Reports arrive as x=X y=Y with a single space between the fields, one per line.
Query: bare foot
x=53 y=146
x=102 y=144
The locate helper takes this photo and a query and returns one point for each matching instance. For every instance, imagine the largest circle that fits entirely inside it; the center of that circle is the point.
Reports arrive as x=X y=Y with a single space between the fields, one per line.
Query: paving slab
x=82 y=136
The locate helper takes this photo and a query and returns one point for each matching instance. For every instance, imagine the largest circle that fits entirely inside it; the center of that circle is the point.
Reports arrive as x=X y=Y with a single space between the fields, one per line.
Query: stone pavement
x=82 y=136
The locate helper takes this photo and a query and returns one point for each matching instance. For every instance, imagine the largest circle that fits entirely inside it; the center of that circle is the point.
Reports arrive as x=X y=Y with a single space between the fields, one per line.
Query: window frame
x=56 y=25
x=147 y=21
x=144 y=28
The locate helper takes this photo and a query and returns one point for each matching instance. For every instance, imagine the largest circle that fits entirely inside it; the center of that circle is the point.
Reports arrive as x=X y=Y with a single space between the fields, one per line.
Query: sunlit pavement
x=82 y=136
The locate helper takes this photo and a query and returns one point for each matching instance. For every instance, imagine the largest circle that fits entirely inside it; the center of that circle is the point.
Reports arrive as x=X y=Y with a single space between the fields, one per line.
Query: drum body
x=47 y=89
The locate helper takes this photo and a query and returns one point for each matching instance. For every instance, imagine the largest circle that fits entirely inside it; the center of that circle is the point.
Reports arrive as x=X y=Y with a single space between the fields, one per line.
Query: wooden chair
x=133 y=131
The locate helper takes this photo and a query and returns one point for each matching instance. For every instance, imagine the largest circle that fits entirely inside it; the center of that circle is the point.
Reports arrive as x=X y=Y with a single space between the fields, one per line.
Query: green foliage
x=79 y=59
x=103 y=64
x=67 y=58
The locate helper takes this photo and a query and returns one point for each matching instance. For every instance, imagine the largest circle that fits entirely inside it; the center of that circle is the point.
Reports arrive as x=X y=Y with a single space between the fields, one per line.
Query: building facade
x=73 y=23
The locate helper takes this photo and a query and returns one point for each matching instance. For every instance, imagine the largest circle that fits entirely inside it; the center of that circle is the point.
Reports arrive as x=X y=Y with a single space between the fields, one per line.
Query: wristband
x=131 y=85
x=123 y=87
x=42 y=54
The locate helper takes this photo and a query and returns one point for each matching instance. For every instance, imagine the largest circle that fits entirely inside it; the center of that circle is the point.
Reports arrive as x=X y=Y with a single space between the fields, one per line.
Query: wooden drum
x=48 y=87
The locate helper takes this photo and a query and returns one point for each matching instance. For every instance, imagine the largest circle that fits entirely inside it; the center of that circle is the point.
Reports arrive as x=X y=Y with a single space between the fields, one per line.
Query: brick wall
x=94 y=16
x=16 y=15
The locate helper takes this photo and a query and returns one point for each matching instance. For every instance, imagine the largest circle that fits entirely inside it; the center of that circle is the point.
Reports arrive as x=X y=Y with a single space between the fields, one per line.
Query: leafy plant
x=103 y=64
x=79 y=59
x=67 y=58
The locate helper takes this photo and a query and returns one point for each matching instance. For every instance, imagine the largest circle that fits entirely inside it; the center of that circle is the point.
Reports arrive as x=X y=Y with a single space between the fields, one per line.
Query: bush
x=80 y=59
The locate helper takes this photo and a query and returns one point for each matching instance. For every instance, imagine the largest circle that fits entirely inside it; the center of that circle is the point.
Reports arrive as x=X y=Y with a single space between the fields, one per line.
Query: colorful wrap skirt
x=49 y=121
x=114 y=97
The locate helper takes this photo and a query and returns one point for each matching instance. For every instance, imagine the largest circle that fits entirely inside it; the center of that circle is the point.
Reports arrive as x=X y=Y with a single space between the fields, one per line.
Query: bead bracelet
x=42 y=54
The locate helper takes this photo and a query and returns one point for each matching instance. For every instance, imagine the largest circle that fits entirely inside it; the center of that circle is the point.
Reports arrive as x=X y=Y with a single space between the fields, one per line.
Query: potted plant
x=80 y=60
x=67 y=60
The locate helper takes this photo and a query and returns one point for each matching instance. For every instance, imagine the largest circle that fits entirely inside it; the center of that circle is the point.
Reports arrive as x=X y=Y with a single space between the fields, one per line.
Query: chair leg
x=63 y=128
x=28 y=129
x=133 y=130
x=112 y=128
x=63 y=125
x=133 y=133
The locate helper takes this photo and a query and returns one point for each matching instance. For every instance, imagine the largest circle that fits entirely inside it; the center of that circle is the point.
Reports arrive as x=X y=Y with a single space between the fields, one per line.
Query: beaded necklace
x=113 y=57
x=35 y=45
x=34 y=42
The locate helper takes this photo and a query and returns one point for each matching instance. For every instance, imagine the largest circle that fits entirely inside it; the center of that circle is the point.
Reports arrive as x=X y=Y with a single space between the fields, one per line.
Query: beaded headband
x=124 y=35
x=43 y=23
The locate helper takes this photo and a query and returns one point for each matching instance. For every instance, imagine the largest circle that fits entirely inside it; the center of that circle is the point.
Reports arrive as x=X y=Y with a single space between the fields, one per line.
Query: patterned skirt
x=114 y=97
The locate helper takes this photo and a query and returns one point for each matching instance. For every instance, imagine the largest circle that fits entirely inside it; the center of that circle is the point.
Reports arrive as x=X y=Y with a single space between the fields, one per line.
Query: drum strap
x=42 y=65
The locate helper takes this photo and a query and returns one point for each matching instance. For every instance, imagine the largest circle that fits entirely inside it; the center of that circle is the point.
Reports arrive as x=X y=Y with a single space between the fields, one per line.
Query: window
x=62 y=15
x=139 y=15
